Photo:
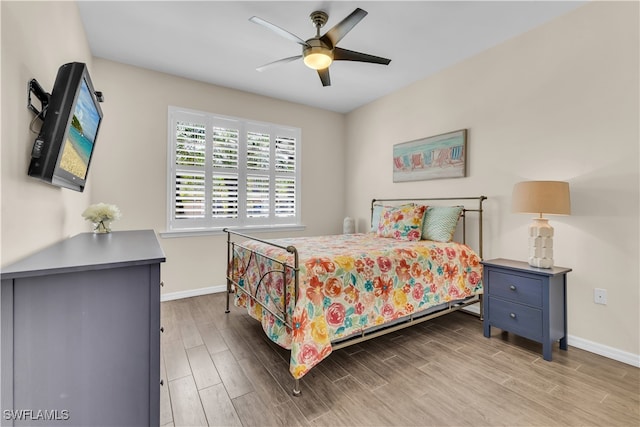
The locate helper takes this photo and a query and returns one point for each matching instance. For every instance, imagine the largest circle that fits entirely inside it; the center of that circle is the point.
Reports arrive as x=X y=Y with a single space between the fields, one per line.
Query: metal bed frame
x=287 y=268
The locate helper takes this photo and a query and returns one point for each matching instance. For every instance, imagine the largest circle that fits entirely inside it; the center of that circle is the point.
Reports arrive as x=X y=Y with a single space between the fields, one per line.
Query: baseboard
x=581 y=343
x=604 y=350
x=192 y=293
x=590 y=346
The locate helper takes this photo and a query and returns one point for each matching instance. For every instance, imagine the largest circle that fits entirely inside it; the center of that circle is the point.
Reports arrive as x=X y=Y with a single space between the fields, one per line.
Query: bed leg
x=228 y=293
x=230 y=259
x=296 y=388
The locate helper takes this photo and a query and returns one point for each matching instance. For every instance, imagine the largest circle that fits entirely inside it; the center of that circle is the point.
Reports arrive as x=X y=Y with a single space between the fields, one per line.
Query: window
x=231 y=172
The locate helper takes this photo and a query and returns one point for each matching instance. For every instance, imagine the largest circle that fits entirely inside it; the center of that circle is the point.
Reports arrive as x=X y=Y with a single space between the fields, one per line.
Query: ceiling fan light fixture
x=318 y=61
x=316 y=55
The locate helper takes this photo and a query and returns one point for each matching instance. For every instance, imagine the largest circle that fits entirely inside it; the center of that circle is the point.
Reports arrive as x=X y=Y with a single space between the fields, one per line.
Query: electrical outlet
x=600 y=296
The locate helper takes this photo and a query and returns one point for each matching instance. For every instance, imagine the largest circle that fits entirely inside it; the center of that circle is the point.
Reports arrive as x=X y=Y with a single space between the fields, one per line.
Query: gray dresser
x=80 y=333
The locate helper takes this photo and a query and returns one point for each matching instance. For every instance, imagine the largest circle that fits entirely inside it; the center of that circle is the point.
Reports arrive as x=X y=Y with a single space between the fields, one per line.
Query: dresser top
x=90 y=251
x=524 y=266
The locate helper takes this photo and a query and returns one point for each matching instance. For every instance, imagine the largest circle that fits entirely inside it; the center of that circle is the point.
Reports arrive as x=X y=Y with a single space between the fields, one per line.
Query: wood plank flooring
x=220 y=370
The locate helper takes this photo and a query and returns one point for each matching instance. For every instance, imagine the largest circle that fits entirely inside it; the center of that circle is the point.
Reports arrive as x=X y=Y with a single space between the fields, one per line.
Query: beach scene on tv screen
x=81 y=135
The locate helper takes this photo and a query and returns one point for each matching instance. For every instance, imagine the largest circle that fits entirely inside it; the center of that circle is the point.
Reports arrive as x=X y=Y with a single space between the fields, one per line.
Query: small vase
x=102 y=227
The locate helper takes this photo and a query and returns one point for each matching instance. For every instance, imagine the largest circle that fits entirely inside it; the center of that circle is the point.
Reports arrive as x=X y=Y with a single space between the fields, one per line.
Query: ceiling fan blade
x=280 y=31
x=324 y=77
x=340 y=54
x=335 y=34
x=278 y=62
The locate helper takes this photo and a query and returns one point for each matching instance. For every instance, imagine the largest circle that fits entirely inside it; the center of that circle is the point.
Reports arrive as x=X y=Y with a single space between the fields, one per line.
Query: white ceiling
x=214 y=42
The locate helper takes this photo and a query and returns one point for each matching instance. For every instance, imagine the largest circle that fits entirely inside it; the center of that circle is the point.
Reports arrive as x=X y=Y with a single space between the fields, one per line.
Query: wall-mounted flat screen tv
x=63 y=150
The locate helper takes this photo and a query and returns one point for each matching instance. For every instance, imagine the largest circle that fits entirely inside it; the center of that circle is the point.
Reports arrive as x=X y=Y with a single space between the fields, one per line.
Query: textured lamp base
x=541 y=243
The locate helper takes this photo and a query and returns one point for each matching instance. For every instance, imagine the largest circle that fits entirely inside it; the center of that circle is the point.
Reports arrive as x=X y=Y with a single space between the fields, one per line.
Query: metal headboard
x=479 y=199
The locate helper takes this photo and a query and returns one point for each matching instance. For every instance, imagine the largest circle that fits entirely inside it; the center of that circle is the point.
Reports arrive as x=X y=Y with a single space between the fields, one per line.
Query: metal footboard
x=282 y=314
x=232 y=284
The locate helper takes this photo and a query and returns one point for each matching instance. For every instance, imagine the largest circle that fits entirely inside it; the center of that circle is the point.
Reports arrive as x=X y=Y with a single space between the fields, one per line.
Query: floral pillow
x=401 y=222
x=377 y=212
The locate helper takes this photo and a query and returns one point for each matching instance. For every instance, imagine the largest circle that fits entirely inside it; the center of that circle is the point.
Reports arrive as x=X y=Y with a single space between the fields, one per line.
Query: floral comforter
x=348 y=283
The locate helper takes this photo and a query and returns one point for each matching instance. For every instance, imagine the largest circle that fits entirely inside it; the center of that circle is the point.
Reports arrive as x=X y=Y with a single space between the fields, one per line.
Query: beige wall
x=130 y=166
x=557 y=103
x=34 y=214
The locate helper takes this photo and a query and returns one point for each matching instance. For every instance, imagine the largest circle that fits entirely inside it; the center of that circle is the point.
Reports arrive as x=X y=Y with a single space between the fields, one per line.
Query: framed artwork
x=435 y=157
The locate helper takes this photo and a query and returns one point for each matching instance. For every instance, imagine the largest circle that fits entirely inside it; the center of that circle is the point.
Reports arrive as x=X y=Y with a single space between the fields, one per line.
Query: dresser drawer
x=519 y=319
x=514 y=287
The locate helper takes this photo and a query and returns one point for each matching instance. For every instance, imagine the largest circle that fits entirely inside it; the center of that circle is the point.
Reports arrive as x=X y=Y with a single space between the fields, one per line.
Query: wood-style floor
x=219 y=369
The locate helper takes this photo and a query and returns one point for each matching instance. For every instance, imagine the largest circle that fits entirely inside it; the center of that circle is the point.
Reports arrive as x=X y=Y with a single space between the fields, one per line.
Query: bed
x=314 y=295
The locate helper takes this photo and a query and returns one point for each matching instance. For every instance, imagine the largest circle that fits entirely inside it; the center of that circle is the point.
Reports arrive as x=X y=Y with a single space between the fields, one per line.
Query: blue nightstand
x=527 y=301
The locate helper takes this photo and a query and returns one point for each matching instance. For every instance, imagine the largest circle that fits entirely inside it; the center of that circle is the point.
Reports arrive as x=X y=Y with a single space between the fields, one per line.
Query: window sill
x=218 y=231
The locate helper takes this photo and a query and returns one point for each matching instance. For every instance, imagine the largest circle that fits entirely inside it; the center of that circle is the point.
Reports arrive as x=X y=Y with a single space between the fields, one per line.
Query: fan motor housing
x=315 y=45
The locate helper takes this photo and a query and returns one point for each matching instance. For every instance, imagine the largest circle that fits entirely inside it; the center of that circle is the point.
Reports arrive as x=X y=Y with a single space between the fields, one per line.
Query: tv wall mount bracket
x=33 y=87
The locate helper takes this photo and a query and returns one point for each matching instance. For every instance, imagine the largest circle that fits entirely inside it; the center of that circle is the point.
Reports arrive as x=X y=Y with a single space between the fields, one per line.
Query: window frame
x=243 y=222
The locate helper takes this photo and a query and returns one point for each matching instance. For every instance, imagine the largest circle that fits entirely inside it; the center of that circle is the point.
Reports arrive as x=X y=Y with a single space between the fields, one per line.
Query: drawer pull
x=512 y=287
x=161 y=284
x=161 y=328
x=161 y=383
x=512 y=315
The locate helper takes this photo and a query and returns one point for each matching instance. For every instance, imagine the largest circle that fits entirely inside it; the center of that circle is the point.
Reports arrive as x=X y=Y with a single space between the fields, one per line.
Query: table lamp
x=548 y=197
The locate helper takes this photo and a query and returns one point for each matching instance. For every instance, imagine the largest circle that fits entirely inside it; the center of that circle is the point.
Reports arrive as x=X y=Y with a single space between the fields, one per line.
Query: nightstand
x=527 y=301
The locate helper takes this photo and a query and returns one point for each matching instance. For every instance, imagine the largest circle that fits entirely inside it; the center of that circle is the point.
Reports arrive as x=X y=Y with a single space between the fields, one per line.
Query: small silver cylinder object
x=348 y=226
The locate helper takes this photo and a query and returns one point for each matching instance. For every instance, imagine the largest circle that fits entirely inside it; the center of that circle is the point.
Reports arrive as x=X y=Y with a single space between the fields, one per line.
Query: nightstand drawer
x=519 y=319
x=514 y=287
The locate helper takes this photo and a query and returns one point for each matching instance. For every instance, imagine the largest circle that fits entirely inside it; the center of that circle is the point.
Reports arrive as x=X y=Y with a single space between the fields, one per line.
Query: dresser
x=80 y=332
x=527 y=301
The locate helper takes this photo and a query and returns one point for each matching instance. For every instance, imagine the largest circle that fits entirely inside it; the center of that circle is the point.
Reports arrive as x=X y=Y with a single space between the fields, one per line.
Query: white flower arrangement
x=101 y=215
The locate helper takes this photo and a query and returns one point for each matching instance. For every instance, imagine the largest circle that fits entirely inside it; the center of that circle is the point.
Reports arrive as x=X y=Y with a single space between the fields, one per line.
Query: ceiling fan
x=320 y=51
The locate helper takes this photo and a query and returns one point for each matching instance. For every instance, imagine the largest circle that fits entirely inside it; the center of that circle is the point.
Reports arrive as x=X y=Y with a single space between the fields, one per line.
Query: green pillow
x=375 y=217
x=440 y=223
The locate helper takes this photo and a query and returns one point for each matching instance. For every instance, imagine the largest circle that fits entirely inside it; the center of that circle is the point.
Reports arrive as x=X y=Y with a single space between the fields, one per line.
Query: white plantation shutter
x=258 y=181
x=189 y=182
x=225 y=147
x=225 y=158
x=285 y=154
x=285 y=197
x=258 y=151
x=224 y=196
x=285 y=176
x=258 y=196
x=227 y=171
x=190 y=195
